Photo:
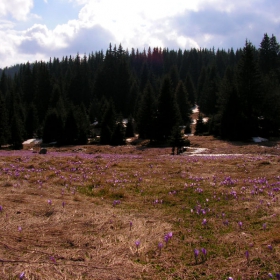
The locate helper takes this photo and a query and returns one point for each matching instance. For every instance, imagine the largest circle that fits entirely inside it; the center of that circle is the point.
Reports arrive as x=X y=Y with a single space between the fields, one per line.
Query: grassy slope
x=106 y=188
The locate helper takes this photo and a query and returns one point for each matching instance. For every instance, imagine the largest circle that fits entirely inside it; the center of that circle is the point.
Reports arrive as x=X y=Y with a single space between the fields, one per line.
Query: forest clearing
x=133 y=212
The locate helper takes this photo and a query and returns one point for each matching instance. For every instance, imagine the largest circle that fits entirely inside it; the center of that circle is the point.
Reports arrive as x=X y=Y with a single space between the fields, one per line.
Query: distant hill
x=10 y=71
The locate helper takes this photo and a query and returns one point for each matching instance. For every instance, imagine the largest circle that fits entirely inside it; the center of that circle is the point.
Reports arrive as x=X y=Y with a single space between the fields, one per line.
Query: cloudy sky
x=39 y=29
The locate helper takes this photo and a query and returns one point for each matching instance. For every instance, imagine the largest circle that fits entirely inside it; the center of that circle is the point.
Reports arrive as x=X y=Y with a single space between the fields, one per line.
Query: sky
x=35 y=30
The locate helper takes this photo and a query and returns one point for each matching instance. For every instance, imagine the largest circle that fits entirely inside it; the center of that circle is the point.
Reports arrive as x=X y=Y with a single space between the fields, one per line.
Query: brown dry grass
x=90 y=238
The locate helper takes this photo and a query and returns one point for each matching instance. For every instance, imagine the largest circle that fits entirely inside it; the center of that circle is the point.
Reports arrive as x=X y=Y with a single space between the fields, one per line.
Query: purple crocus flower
x=204 y=252
x=196 y=253
x=278 y=276
x=240 y=224
x=21 y=276
x=137 y=243
x=130 y=225
x=1 y=208
x=269 y=247
x=19 y=228
x=63 y=204
x=166 y=238
x=49 y=202
x=247 y=257
x=52 y=259
x=204 y=222
x=270 y=275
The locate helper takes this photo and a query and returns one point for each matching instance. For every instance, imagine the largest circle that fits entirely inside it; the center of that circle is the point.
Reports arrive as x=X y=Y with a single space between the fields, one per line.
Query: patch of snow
x=196 y=150
x=195 y=109
x=259 y=139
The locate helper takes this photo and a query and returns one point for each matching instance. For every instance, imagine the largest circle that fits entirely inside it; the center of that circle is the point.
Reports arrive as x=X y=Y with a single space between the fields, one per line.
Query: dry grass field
x=135 y=212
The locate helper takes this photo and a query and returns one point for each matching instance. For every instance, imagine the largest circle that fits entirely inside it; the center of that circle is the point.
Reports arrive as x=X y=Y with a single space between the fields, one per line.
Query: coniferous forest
x=67 y=100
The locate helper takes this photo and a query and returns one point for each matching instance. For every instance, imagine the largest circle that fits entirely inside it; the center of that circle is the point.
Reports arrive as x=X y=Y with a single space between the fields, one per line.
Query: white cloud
x=135 y=24
x=18 y=9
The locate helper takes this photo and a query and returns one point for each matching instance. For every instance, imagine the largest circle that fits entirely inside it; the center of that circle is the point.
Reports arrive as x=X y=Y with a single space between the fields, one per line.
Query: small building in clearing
x=32 y=144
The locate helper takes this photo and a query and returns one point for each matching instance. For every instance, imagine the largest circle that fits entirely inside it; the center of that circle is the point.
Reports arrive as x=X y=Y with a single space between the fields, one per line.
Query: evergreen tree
x=108 y=124
x=208 y=98
x=147 y=114
x=183 y=103
x=174 y=76
x=200 y=127
x=249 y=88
x=118 y=135
x=190 y=89
x=71 y=127
x=177 y=140
x=268 y=55
x=168 y=111
x=53 y=127
x=31 y=121
x=269 y=122
x=265 y=55
x=144 y=78
x=202 y=85
x=129 y=131
x=16 y=132
x=4 y=132
x=83 y=125
x=228 y=108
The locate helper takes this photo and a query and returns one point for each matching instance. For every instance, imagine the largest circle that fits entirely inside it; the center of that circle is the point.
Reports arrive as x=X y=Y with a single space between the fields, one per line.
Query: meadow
x=136 y=212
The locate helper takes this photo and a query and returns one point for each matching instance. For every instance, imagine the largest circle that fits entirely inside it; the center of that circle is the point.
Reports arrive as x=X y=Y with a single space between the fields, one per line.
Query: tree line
x=154 y=89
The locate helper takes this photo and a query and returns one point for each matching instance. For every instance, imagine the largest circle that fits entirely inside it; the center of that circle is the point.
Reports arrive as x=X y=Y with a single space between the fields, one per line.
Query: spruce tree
x=83 y=125
x=108 y=124
x=31 y=121
x=71 y=127
x=129 y=131
x=146 y=116
x=4 y=132
x=183 y=103
x=168 y=111
x=249 y=86
x=16 y=132
x=190 y=89
x=53 y=127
